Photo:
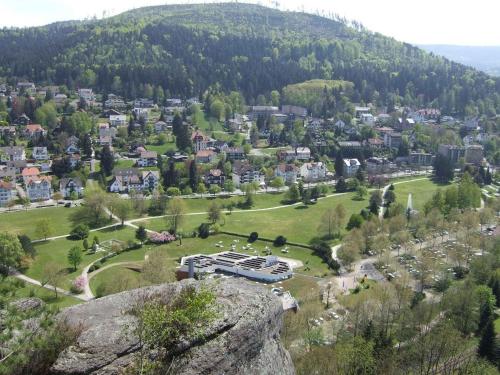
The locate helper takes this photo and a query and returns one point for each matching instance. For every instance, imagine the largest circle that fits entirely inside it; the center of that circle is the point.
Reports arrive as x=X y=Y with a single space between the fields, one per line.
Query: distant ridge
x=485 y=58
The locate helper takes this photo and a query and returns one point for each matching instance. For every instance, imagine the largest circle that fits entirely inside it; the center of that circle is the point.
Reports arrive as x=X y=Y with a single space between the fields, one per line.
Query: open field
x=56 y=251
x=421 y=192
x=298 y=223
x=24 y=222
x=162 y=149
x=112 y=274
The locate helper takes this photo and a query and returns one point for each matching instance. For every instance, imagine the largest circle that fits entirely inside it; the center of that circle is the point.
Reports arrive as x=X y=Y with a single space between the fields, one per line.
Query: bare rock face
x=244 y=339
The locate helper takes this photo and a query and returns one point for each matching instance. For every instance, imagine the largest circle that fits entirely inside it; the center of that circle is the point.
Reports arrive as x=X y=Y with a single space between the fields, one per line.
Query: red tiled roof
x=31 y=172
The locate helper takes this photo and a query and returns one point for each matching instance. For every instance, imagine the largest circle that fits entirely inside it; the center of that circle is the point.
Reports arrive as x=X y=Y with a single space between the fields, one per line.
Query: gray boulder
x=244 y=339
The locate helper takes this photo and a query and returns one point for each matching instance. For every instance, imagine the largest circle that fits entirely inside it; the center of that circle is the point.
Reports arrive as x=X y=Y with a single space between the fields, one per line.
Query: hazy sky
x=460 y=22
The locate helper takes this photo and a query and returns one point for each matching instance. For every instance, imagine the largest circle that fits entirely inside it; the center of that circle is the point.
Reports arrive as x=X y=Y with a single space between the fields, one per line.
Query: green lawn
x=24 y=222
x=56 y=251
x=421 y=191
x=297 y=223
x=124 y=163
x=162 y=149
x=109 y=275
x=313 y=265
x=46 y=295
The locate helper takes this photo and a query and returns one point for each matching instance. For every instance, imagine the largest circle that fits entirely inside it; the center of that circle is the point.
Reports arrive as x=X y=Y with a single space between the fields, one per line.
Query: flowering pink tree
x=79 y=284
x=163 y=237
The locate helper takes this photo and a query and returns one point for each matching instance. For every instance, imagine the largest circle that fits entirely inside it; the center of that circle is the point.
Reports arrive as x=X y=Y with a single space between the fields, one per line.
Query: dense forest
x=182 y=50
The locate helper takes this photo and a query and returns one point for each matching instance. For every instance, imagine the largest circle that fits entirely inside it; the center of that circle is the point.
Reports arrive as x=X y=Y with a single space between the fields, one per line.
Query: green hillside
x=182 y=50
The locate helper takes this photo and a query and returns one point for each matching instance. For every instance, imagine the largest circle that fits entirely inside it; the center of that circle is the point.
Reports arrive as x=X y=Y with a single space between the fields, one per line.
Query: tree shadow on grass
x=301 y=207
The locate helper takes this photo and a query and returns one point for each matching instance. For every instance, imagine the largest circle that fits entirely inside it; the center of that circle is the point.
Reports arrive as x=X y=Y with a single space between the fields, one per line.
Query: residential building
x=200 y=141
x=367 y=119
x=452 y=153
x=235 y=153
x=117 y=120
x=34 y=131
x=244 y=172
x=173 y=102
x=40 y=153
x=425 y=114
x=297 y=154
x=74 y=160
x=132 y=179
x=7 y=172
x=161 y=126
x=12 y=153
x=351 y=166
x=28 y=87
x=375 y=143
x=114 y=102
x=17 y=165
x=69 y=186
x=141 y=113
x=60 y=99
x=22 y=120
x=39 y=188
x=421 y=159
x=262 y=110
x=288 y=172
x=359 y=111
x=87 y=95
x=148 y=159
x=72 y=145
x=294 y=110
x=350 y=145
x=143 y=103
x=29 y=173
x=150 y=180
x=376 y=165
x=384 y=118
x=472 y=123
x=393 y=139
x=8 y=131
x=7 y=192
x=312 y=172
x=474 y=154
x=205 y=156
x=215 y=177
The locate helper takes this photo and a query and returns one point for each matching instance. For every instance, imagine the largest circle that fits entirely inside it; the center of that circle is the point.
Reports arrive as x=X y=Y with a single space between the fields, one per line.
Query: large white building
x=268 y=268
x=312 y=172
x=244 y=173
x=351 y=166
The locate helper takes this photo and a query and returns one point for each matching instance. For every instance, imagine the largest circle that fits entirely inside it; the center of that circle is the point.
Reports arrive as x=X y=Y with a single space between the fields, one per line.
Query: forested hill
x=185 y=49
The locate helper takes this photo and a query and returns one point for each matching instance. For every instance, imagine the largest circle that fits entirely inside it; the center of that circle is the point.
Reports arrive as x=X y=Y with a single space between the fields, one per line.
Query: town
x=319 y=200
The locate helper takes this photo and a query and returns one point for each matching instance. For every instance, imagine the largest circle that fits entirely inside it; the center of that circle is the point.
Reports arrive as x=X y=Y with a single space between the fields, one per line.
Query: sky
x=459 y=22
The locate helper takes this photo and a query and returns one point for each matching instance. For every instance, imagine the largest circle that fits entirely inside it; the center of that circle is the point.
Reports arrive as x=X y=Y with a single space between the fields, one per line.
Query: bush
x=204 y=230
x=279 y=241
x=417 y=298
x=253 y=237
x=80 y=232
x=78 y=285
x=460 y=272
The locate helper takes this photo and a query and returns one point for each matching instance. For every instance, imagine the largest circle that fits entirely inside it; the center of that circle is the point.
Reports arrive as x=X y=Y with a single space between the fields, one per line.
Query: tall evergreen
x=107 y=160
x=177 y=124
x=183 y=139
x=194 y=180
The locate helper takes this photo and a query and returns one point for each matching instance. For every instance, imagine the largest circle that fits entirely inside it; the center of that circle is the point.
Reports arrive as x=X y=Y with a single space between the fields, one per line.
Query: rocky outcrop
x=244 y=338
